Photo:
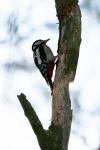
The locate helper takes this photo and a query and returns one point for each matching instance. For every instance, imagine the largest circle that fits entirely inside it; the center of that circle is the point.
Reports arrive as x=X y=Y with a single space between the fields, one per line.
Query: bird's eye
x=38 y=43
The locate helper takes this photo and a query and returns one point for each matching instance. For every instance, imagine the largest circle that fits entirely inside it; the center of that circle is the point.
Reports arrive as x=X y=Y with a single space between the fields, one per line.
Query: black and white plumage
x=44 y=60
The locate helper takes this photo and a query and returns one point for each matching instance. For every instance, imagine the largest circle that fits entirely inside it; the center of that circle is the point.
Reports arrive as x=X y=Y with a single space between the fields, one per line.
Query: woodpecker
x=44 y=60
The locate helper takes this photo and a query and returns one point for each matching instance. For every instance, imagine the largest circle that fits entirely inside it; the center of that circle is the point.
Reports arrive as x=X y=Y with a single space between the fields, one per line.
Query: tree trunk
x=69 y=17
x=57 y=136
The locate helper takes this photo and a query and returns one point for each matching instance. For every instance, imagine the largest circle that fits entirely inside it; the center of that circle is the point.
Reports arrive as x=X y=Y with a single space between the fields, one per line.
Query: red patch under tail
x=50 y=69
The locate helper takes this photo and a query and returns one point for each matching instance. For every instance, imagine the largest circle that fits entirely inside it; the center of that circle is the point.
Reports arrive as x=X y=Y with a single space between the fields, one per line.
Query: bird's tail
x=49 y=82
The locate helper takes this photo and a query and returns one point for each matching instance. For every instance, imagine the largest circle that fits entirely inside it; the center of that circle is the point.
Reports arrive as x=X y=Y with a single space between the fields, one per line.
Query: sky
x=21 y=23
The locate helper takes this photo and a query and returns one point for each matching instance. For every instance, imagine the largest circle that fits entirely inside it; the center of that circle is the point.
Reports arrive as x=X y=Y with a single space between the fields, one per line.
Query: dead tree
x=57 y=135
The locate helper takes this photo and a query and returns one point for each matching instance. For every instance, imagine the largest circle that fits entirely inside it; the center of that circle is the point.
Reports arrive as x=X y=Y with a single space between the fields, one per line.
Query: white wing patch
x=37 y=55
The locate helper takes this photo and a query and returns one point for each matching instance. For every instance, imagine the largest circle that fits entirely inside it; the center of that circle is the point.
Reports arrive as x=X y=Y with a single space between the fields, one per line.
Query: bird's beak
x=46 y=40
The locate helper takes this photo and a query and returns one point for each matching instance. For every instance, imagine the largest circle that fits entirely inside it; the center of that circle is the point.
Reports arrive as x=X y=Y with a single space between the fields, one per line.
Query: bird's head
x=38 y=43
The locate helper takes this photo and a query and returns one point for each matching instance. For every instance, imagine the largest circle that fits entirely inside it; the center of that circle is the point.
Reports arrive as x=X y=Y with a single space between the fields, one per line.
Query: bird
x=44 y=60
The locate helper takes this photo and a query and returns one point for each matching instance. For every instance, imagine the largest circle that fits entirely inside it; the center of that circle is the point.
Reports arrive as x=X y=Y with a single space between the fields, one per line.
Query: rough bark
x=57 y=136
x=69 y=17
